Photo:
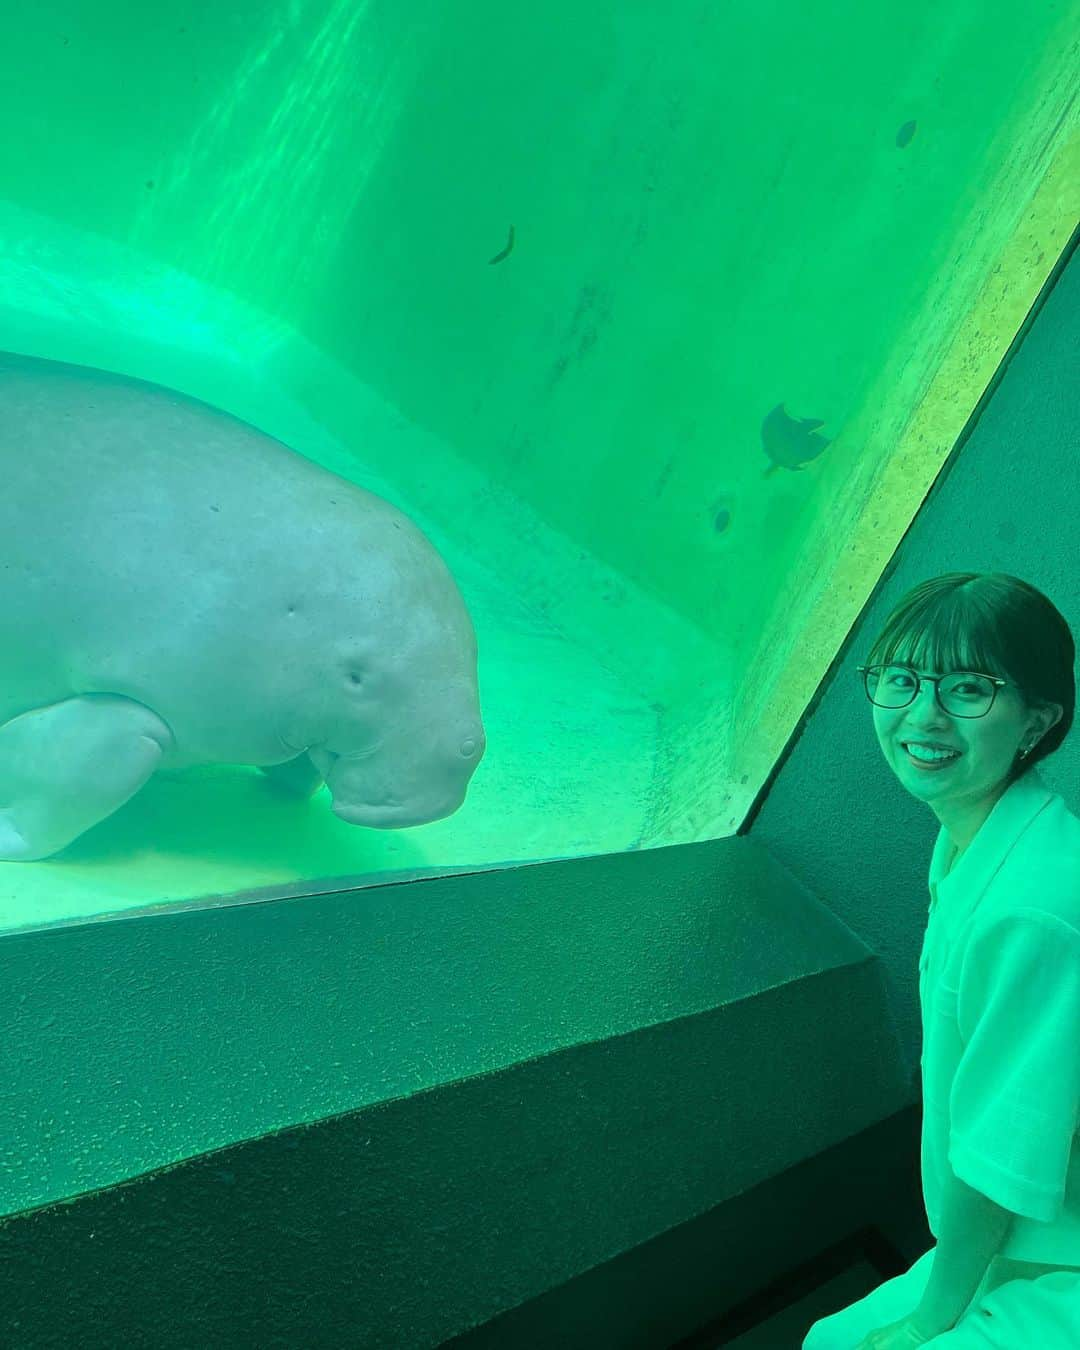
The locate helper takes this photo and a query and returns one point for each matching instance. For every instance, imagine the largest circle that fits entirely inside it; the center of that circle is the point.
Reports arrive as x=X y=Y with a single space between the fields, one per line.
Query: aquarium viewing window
x=658 y=325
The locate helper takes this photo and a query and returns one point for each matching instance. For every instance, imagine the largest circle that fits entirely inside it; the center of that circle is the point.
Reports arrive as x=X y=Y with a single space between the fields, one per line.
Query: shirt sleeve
x=1015 y=1098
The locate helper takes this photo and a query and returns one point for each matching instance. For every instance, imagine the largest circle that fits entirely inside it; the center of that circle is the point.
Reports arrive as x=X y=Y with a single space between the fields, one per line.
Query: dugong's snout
x=390 y=817
x=388 y=796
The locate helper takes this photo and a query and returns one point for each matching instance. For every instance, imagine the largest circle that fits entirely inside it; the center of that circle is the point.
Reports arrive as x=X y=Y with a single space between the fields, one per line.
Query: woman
x=972 y=684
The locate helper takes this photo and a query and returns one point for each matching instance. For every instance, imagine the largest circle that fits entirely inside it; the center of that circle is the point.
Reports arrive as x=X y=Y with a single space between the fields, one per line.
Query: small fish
x=904 y=135
x=506 y=251
x=790 y=442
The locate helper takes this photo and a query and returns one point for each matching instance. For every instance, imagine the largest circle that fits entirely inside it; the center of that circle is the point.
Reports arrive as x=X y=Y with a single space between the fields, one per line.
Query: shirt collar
x=1013 y=812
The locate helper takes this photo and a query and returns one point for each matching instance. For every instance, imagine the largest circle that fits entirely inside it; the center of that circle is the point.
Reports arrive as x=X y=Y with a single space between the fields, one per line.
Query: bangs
x=946 y=636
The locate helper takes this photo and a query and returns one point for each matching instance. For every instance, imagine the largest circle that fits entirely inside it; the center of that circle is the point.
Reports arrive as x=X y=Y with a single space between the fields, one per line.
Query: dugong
x=177 y=588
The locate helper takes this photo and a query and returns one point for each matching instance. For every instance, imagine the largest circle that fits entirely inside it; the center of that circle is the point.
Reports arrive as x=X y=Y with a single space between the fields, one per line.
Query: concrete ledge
x=426 y=1103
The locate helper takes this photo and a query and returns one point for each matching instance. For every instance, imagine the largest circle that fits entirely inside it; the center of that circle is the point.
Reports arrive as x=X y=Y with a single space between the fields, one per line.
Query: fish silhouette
x=790 y=442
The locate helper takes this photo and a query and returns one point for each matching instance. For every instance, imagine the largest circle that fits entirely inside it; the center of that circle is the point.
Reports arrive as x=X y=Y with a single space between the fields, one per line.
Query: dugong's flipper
x=66 y=766
x=297 y=777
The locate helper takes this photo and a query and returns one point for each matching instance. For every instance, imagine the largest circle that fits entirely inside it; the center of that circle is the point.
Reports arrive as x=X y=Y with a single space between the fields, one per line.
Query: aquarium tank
x=657 y=331
x=445 y=439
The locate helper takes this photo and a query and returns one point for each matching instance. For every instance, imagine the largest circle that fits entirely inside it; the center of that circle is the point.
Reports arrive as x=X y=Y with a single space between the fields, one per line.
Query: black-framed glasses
x=963 y=693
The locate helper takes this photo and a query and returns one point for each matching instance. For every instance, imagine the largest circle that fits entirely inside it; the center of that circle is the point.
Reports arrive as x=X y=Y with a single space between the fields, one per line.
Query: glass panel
x=630 y=341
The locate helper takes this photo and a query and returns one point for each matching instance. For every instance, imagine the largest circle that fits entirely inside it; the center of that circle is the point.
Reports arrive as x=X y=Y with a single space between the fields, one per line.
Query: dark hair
x=995 y=623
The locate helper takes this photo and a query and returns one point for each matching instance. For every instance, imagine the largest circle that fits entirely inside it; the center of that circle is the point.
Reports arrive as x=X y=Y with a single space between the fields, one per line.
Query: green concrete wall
x=459 y=1093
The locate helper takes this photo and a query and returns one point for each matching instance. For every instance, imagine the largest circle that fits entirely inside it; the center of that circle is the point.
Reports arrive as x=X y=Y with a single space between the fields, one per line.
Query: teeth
x=925 y=752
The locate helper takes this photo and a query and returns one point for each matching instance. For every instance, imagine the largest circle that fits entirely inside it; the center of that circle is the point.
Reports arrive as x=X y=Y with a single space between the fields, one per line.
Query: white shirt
x=999 y=984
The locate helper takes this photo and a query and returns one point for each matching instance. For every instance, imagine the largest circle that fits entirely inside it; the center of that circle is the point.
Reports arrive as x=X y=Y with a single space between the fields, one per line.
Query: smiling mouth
x=938 y=759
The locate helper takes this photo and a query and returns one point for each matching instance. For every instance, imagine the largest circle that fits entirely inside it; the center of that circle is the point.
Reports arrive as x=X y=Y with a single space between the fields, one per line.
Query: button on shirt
x=999 y=985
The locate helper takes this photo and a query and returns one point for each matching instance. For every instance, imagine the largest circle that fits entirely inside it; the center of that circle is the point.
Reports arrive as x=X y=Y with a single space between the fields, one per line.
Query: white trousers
x=1043 y=1312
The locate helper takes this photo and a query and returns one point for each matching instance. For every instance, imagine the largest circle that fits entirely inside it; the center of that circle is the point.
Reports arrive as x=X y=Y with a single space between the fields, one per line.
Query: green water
x=290 y=211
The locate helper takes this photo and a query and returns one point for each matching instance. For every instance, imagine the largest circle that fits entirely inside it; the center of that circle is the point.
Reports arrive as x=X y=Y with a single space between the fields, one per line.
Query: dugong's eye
x=355 y=677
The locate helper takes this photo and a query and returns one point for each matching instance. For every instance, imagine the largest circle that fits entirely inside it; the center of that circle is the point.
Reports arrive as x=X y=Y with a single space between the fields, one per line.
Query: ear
x=354 y=666
x=1052 y=716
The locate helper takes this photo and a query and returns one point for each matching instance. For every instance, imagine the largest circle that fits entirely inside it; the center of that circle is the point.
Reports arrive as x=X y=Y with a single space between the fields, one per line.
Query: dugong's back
x=97 y=466
x=122 y=498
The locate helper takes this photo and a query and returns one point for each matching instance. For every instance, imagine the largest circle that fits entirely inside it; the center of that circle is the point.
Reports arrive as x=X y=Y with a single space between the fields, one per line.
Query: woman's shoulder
x=1040 y=874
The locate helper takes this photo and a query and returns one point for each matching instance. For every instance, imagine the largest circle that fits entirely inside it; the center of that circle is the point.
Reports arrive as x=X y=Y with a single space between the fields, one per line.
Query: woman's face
x=983 y=749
